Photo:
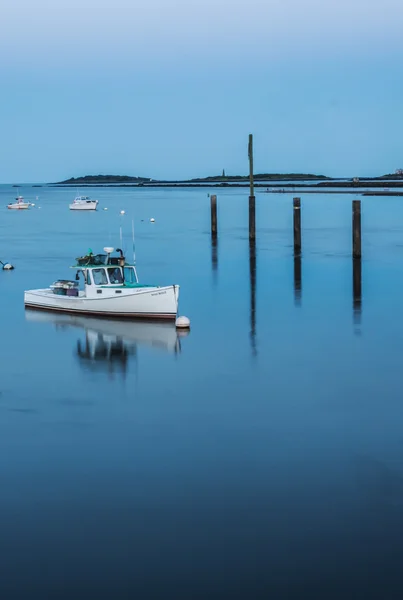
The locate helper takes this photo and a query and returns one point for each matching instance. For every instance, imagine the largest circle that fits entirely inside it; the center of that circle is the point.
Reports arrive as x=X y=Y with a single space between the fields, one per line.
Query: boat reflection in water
x=111 y=341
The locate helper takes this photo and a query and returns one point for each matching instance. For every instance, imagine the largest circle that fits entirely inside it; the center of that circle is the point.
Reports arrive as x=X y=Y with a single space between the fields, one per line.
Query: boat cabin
x=109 y=276
x=99 y=272
x=83 y=200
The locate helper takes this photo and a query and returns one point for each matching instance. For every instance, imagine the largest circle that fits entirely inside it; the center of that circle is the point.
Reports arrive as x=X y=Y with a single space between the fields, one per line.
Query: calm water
x=261 y=456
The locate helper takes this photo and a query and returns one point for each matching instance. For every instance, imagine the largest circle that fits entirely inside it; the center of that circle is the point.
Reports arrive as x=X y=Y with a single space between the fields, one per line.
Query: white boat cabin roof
x=107 y=270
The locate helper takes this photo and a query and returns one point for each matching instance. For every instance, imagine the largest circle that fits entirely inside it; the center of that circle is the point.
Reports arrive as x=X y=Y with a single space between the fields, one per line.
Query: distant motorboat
x=83 y=203
x=19 y=204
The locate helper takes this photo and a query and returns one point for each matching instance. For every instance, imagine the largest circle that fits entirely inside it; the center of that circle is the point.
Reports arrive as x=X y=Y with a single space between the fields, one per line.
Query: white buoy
x=33 y=204
x=105 y=209
x=122 y=212
x=152 y=220
x=7 y=267
x=182 y=323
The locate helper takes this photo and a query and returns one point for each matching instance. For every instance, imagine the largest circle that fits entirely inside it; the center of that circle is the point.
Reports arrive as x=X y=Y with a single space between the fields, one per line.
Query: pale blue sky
x=172 y=89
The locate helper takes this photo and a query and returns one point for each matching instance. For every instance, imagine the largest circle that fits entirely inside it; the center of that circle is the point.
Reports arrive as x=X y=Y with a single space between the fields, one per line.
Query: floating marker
x=152 y=220
x=122 y=212
x=7 y=266
x=105 y=209
x=182 y=323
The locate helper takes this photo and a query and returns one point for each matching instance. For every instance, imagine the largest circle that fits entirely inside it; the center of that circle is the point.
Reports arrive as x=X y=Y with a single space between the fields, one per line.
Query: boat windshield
x=130 y=275
x=99 y=276
x=115 y=275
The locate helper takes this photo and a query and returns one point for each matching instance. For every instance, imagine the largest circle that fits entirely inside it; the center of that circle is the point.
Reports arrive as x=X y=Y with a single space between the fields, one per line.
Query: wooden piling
x=252 y=220
x=250 y=155
x=297 y=226
x=213 y=204
x=356 y=228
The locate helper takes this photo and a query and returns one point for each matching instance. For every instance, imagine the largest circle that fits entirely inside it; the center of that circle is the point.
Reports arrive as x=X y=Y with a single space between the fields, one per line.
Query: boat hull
x=146 y=303
x=18 y=206
x=84 y=206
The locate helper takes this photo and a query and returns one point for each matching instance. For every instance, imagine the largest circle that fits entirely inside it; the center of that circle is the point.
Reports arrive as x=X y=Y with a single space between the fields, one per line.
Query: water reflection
x=100 y=351
x=357 y=292
x=214 y=257
x=252 y=279
x=297 y=279
x=110 y=342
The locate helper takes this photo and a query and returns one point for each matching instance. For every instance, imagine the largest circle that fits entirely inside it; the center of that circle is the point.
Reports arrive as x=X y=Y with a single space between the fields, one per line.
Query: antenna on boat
x=134 y=251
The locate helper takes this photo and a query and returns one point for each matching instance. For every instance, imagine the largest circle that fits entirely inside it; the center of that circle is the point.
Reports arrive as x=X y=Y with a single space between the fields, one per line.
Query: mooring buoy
x=7 y=266
x=182 y=323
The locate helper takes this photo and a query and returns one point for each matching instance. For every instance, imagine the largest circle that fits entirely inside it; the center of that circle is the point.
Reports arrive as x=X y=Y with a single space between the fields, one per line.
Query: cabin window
x=130 y=276
x=99 y=277
x=87 y=277
x=115 y=275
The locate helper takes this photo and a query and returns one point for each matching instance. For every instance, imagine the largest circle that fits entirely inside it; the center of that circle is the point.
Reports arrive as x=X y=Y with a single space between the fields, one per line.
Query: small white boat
x=18 y=204
x=111 y=288
x=83 y=203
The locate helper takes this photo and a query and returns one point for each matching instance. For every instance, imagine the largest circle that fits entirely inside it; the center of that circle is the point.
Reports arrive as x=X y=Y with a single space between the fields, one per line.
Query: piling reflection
x=252 y=279
x=297 y=279
x=108 y=343
x=214 y=257
x=357 y=291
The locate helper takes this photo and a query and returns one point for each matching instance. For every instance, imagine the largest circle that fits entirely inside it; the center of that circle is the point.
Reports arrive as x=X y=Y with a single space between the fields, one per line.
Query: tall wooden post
x=213 y=203
x=297 y=226
x=356 y=228
x=252 y=216
x=250 y=154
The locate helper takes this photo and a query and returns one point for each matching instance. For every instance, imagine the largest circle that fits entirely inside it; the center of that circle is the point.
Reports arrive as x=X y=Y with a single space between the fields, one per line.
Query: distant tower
x=223 y=172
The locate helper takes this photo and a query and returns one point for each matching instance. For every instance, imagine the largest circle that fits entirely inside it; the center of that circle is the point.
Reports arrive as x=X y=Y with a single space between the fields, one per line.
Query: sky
x=172 y=89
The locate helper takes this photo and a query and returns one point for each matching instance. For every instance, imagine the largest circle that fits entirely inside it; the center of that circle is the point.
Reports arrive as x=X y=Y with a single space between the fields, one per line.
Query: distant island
x=103 y=179
x=271 y=181
x=124 y=179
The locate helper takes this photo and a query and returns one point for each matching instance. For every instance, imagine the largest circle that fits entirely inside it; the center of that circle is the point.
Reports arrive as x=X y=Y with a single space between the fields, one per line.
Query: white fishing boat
x=83 y=203
x=19 y=204
x=110 y=288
